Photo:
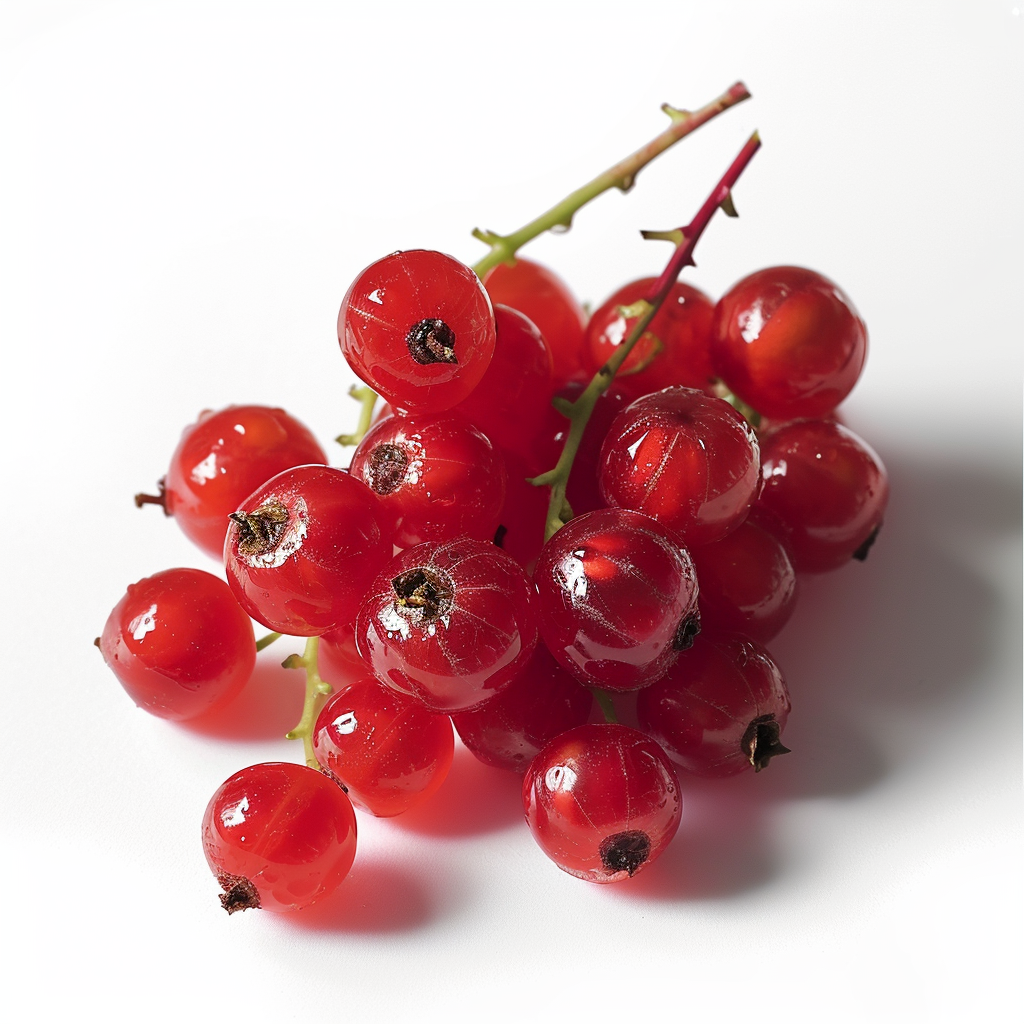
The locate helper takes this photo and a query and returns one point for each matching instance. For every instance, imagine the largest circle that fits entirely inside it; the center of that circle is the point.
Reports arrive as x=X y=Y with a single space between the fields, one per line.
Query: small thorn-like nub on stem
x=367 y=399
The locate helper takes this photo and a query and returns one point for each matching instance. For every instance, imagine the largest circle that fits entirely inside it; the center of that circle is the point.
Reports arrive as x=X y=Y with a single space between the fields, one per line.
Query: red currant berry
x=541 y=295
x=417 y=326
x=337 y=658
x=542 y=702
x=179 y=643
x=278 y=836
x=685 y=458
x=720 y=708
x=825 y=492
x=389 y=752
x=303 y=548
x=602 y=801
x=788 y=342
x=747 y=583
x=618 y=598
x=221 y=459
x=437 y=477
x=449 y=624
x=675 y=348
x=523 y=516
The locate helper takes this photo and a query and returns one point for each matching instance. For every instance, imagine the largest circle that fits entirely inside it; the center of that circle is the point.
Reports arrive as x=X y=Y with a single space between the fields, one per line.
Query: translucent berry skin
x=389 y=752
x=378 y=321
x=222 y=458
x=437 y=477
x=675 y=348
x=542 y=702
x=788 y=342
x=618 y=598
x=449 y=624
x=278 y=836
x=541 y=295
x=747 y=583
x=685 y=458
x=179 y=643
x=825 y=492
x=720 y=709
x=602 y=801
x=328 y=538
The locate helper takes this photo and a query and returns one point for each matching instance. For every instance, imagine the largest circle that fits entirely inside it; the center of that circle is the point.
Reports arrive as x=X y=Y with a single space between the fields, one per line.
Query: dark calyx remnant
x=239 y=893
x=687 y=632
x=422 y=595
x=499 y=536
x=861 y=553
x=625 y=851
x=387 y=468
x=160 y=498
x=261 y=530
x=431 y=341
x=760 y=742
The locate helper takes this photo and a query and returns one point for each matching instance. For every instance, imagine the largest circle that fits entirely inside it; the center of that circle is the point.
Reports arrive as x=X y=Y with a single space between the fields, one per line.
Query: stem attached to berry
x=367 y=399
x=604 y=702
x=267 y=640
x=621 y=176
x=578 y=412
x=316 y=689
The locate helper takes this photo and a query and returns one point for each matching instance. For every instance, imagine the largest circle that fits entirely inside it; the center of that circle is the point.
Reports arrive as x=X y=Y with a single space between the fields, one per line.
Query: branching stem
x=367 y=399
x=267 y=640
x=316 y=690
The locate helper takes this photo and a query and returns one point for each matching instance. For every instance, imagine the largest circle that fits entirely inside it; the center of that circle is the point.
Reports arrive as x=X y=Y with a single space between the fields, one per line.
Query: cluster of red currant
x=442 y=585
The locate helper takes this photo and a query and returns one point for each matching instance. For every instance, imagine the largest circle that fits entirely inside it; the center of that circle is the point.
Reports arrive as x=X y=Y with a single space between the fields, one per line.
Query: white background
x=188 y=189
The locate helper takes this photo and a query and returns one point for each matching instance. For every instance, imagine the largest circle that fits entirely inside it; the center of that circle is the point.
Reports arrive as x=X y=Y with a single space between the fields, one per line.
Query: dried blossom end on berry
x=423 y=595
x=688 y=631
x=431 y=341
x=760 y=742
x=387 y=468
x=260 y=530
x=239 y=893
x=625 y=851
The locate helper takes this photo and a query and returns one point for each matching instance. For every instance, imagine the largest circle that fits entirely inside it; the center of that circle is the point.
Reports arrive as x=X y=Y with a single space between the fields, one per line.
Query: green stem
x=604 y=702
x=267 y=640
x=578 y=412
x=621 y=176
x=367 y=399
x=316 y=690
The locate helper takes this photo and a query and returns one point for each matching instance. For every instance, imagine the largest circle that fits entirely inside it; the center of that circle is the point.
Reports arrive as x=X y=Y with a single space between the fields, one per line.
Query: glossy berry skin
x=179 y=643
x=602 y=801
x=720 y=709
x=542 y=702
x=825 y=492
x=449 y=624
x=303 y=549
x=540 y=294
x=417 y=327
x=675 y=348
x=685 y=458
x=747 y=583
x=788 y=342
x=437 y=477
x=278 y=836
x=222 y=458
x=618 y=598
x=389 y=752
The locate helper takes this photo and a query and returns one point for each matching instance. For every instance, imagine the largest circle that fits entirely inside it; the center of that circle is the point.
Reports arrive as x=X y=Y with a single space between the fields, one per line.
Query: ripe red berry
x=221 y=459
x=685 y=458
x=618 y=598
x=179 y=643
x=278 y=836
x=720 y=709
x=417 y=327
x=390 y=753
x=825 y=492
x=303 y=548
x=449 y=624
x=788 y=342
x=602 y=801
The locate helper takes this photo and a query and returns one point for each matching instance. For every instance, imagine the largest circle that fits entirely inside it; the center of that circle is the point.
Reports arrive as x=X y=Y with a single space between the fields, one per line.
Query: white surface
x=188 y=189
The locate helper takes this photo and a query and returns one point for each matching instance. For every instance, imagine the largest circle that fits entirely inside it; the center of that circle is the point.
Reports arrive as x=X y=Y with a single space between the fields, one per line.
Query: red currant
x=179 y=643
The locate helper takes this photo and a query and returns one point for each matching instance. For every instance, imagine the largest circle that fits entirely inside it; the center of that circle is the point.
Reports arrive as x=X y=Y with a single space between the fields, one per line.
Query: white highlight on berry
x=143 y=624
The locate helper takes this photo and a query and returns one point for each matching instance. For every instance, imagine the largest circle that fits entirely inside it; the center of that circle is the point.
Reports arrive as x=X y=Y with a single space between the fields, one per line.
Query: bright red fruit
x=788 y=342
x=685 y=458
x=221 y=459
x=390 y=753
x=278 y=836
x=618 y=598
x=602 y=801
x=179 y=643
x=417 y=327
x=720 y=709
x=303 y=548
x=825 y=492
